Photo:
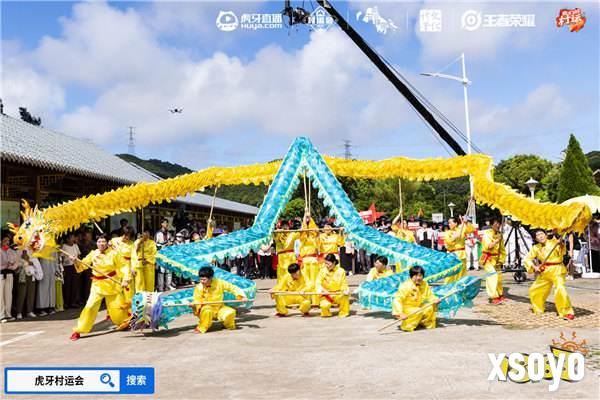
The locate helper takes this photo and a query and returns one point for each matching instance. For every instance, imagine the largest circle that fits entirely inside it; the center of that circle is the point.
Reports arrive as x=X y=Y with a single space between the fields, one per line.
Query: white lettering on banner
x=227 y=21
x=472 y=20
x=430 y=20
x=518 y=367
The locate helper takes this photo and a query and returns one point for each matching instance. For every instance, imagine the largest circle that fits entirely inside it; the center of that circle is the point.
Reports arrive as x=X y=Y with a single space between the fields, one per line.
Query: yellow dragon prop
x=40 y=226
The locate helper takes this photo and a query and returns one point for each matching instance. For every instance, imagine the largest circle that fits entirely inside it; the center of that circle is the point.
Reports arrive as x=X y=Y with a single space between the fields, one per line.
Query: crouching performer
x=412 y=295
x=210 y=290
x=105 y=266
x=293 y=282
x=332 y=278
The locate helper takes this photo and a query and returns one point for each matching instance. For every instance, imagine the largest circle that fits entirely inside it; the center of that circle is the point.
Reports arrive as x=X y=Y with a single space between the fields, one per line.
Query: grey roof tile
x=32 y=145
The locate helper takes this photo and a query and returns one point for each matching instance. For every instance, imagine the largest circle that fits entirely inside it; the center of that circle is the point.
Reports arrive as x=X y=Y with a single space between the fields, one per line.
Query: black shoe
x=471 y=269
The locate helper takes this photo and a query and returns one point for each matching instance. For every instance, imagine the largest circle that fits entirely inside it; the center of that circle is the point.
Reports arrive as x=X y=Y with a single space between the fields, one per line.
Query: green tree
x=549 y=185
x=576 y=177
x=293 y=209
x=517 y=170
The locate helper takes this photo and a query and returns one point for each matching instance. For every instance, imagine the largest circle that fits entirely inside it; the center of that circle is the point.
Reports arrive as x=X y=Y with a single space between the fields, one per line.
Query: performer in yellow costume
x=546 y=259
x=332 y=278
x=400 y=231
x=309 y=246
x=403 y=233
x=284 y=245
x=293 y=281
x=143 y=258
x=380 y=270
x=211 y=290
x=412 y=295
x=329 y=243
x=105 y=264
x=123 y=245
x=492 y=259
x=455 y=243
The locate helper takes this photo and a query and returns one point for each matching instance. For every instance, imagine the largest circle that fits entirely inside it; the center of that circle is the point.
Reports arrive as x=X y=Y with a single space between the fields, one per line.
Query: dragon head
x=34 y=234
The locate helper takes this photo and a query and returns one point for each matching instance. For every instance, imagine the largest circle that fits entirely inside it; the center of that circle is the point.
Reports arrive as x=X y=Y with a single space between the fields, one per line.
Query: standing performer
x=329 y=243
x=400 y=230
x=211 y=290
x=412 y=295
x=332 y=278
x=549 y=254
x=492 y=259
x=309 y=245
x=143 y=258
x=284 y=245
x=293 y=281
x=380 y=270
x=123 y=245
x=106 y=266
x=455 y=243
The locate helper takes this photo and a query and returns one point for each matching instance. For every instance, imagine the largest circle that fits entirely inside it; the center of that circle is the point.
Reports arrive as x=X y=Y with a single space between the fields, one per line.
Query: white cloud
x=326 y=89
x=23 y=86
x=100 y=45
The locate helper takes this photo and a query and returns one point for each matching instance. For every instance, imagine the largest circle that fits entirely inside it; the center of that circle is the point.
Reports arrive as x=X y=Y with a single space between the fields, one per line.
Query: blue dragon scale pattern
x=303 y=158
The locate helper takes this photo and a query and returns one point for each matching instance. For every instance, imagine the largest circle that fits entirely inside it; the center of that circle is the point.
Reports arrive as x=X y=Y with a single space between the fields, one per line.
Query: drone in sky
x=176 y=110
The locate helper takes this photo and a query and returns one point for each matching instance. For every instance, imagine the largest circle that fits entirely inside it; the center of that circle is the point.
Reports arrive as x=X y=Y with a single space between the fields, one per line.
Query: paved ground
x=315 y=358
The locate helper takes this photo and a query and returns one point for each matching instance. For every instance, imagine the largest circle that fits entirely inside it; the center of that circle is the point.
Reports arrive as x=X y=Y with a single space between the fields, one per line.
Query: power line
x=131 y=147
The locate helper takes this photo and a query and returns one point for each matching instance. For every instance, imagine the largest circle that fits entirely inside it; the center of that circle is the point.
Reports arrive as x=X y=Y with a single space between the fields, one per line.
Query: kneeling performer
x=412 y=295
x=332 y=278
x=211 y=290
x=293 y=281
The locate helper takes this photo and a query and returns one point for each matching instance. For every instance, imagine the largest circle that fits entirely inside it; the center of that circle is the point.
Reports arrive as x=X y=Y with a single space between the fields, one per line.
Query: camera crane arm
x=300 y=16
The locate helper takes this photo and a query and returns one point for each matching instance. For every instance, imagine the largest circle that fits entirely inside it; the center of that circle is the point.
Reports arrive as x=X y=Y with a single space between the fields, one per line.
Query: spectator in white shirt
x=8 y=266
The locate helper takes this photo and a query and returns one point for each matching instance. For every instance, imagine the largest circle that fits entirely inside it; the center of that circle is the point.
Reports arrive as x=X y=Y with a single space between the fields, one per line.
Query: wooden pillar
x=38 y=194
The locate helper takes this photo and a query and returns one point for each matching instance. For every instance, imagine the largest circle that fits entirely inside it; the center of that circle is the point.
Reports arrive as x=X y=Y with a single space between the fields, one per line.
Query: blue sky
x=92 y=69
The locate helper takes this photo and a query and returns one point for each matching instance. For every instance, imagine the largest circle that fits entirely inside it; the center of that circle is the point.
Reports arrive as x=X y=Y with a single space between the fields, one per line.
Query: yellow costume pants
x=60 y=303
x=144 y=279
x=341 y=300
x=460 y=274
x=224 y=314
x=540 y=290
x=129 y=291
x=115 y=306
x=426 y=318
x=310 y=268
x=283 y=262
x=493 y=284
x=281 y=303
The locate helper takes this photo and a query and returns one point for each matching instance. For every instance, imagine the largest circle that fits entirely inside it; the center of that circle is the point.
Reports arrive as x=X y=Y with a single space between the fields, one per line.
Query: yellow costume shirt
x=374 y=274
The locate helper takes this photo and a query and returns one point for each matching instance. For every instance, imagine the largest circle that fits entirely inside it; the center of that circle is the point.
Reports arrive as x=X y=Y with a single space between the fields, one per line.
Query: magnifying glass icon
x=106 y=379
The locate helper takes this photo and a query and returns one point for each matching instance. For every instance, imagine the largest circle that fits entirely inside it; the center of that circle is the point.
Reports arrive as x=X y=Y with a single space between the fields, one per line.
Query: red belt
x=486 y=256
x=452 y=251
x=102 y=277
x=328 y=297
x=127 y=258
x=543 y=266
x=285 y=251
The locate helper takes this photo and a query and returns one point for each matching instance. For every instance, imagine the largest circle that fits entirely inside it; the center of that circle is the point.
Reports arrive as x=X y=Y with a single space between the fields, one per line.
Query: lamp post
x=464 y=82
x=451 y=207
x=531 y=184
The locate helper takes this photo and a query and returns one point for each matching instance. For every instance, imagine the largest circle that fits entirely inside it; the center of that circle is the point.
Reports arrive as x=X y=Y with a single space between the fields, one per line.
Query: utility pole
x=347 y=149
x=131 y=148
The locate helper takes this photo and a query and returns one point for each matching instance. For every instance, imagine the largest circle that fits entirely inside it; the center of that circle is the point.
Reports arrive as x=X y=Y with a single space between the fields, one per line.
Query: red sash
x=102 y=277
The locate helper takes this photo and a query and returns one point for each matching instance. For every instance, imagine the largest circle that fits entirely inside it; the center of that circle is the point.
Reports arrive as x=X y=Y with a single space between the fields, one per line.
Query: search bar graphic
x=100 y=380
